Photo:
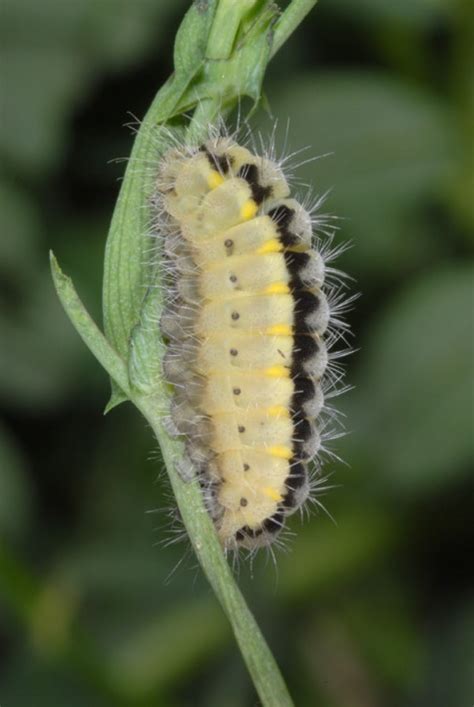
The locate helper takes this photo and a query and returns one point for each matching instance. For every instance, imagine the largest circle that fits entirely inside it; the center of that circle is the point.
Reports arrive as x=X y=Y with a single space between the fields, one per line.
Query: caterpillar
x=248 y=324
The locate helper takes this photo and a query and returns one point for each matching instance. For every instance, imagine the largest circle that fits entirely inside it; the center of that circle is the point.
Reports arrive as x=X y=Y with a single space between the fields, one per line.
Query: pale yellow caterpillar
x=246 y=321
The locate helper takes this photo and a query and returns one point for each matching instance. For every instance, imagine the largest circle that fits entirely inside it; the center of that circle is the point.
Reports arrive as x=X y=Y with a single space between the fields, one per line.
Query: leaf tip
x=53 y=262
x=117 y=397
x=57 y=274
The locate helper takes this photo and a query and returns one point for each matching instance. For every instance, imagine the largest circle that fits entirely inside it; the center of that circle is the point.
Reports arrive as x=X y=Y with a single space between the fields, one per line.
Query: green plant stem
x=289 y=21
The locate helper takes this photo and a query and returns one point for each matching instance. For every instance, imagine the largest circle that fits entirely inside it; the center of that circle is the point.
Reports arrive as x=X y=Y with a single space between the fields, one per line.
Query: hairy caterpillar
x=249 y=323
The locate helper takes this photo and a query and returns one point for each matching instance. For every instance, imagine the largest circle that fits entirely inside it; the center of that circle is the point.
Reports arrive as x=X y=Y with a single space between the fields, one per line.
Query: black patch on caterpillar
x=305 y=390
x=304 y=432
x=249 y=172
x=282 y=216
x=271 y=525
x=306 y=303
x=249 y=532
x=297 y=475
x=274 y=524
x=220 y=162
x=298 y=450
x=303 y=429
x=296 y=262
x=294 y=481
x=305 y=347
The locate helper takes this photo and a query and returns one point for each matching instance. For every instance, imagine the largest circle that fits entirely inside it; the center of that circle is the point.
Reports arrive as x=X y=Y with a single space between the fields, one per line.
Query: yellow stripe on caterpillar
x=272 y=493
x=277 y=372
x=278 y=411
x=215 y=179
x=278 y=288
x=279 y=330
x=248 y=210
x=271 y=246
x=280 y=451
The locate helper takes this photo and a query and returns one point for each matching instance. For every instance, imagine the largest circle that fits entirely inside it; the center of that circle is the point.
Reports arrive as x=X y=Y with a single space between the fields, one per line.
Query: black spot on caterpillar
x=249 y=172
x=282 y=216
x=220 y=162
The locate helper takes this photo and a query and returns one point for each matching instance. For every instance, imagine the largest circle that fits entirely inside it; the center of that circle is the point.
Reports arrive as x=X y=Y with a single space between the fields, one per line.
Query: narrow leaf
x=86 y=327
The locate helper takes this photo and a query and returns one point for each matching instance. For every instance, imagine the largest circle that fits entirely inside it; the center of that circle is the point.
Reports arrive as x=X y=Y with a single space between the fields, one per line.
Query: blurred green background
x=375 y=611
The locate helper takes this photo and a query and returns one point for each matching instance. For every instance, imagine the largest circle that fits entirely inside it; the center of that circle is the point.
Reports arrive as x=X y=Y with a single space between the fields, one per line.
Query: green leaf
x=87 y=329
x=229 y=17
x=127 y=275
x=125 y=272
x=242 y=74
x=146 y=346
x=117 y=397
x=192 y=37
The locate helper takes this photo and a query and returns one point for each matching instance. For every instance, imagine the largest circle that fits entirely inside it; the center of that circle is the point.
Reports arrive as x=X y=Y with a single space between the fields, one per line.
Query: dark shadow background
x=376 y=611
